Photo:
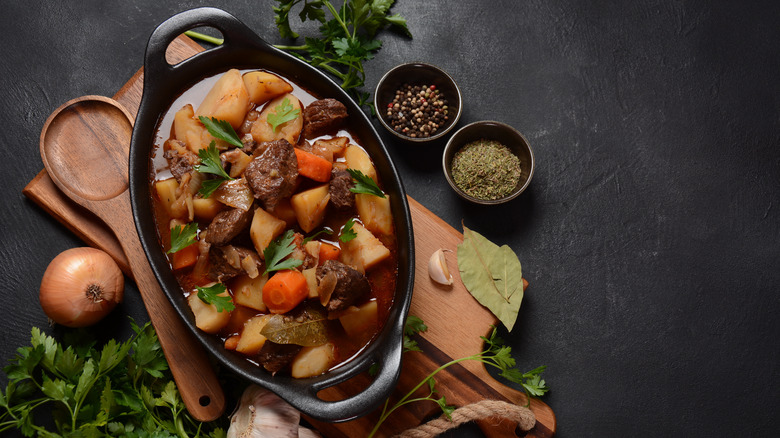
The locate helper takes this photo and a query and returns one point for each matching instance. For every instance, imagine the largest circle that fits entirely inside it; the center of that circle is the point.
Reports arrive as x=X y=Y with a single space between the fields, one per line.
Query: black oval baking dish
x=243 y=49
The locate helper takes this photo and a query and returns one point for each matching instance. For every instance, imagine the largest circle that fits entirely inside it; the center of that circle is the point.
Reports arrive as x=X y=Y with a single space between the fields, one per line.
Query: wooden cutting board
x=455 y=320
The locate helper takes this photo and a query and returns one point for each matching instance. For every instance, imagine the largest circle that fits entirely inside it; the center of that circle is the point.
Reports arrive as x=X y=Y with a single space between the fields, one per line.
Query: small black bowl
x=418 y=73
x=502 y=133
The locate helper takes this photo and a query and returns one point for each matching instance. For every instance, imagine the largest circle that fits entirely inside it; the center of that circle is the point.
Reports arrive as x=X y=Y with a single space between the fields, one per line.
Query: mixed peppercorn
x=417 y=111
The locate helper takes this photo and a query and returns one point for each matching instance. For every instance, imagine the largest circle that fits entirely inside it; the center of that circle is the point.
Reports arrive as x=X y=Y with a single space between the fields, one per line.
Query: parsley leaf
x=216 y=295
x=413 y=326
x=183 y=236
x=364 y=184
x=322 y=231
x=211 y=163
x=222 y=130
x=284 y=112
x=279 y=249
x=347 y=233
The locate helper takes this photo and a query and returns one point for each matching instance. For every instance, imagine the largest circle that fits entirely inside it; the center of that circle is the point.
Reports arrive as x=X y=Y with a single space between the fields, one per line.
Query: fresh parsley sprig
x=121 y=389
x=346 y=40
x=284 y=112
x=212 y=164
x=364 y=184
x=276 y=252
x=347 y=233
x=222 y=130
x=183 y=236
x=496 y=355
x=215 y=294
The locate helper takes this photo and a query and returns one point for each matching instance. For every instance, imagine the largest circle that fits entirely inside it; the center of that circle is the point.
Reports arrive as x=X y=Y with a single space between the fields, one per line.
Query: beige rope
x=523 y=416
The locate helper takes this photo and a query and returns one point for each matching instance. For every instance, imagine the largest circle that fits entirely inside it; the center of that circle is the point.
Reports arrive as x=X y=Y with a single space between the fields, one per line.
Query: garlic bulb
x=437 y=268
x=262 y=414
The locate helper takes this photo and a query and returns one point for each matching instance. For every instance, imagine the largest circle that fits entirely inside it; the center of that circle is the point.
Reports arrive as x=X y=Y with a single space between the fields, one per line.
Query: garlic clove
x=437 y=268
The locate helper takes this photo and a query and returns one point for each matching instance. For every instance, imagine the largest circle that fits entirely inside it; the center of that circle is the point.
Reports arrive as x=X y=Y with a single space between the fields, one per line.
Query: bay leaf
x=492 y=274
x=307 y=328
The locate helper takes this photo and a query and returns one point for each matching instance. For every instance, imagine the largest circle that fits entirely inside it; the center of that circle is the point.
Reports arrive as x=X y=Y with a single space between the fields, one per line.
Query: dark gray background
x=650 y=233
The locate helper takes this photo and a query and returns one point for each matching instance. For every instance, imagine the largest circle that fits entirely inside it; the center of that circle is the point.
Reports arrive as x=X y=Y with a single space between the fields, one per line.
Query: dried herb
x=492 y=274
x=307 y=328
x=486 y=169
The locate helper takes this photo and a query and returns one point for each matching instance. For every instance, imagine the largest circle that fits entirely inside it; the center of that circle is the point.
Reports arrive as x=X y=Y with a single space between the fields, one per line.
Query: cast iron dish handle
x=238 y=37
x=235 y=33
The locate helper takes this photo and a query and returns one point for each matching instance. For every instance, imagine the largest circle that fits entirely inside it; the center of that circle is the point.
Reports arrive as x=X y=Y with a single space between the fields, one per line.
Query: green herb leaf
x=216 y=295
x=347 y=233
x=313 y=236
x=307 y=329
x=364 y=184
x=277 y=250
x=212 y=164
x=222 y=130
x=183 y=236
x=284 y=112
x=210 y=161
x=492 y=274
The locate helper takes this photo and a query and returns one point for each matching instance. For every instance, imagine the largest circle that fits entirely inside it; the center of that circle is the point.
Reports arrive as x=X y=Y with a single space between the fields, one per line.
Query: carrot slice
x=313 y=166
x=232 y=342
x=328 y=252
x=285 y=290
x=185 y=257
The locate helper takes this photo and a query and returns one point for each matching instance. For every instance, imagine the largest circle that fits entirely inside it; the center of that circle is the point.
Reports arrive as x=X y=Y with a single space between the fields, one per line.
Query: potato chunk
x=227 y=100
x=313 y=361
x=365 y=250
x=360 y=321
x=265 y=227
x=248 y=291
x=263 y=86
x=310 y=207
x=251 y=341
x=290 y=131
x=207 y=317
x=375 y=213
x=166 y=191
x=358 y=159
x=206 y=208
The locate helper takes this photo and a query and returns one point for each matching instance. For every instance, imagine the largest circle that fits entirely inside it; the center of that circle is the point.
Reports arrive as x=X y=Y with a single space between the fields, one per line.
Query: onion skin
x=80 y=287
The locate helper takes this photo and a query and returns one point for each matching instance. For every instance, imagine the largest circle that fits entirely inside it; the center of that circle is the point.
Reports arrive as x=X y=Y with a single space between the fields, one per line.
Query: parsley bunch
x=346 y=40
x=122 y=389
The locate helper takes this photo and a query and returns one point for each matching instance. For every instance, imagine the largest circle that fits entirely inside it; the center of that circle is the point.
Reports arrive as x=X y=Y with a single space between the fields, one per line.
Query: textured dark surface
x=650 y=233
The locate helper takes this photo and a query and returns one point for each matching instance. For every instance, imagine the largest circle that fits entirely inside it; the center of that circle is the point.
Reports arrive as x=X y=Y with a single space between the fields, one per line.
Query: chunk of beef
x=350 y=284
x=275 y=357
x=272 y=174
x=324 y=116
x=340 y=195
x=227 y=225
x=180 y=159
x=226 y=262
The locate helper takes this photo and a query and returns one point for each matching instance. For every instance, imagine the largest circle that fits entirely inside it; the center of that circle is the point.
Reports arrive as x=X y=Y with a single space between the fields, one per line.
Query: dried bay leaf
x=307 y=328
x=492 y=274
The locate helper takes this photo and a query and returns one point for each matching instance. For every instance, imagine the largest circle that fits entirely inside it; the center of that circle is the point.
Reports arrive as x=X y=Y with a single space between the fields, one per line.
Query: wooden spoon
x=85 y=147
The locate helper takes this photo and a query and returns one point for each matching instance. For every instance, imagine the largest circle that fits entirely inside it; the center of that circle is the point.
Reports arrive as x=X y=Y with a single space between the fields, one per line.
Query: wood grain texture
x=455 y=319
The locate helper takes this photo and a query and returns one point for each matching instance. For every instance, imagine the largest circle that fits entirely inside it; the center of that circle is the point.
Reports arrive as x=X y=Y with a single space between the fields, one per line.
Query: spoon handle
x=195 y=377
